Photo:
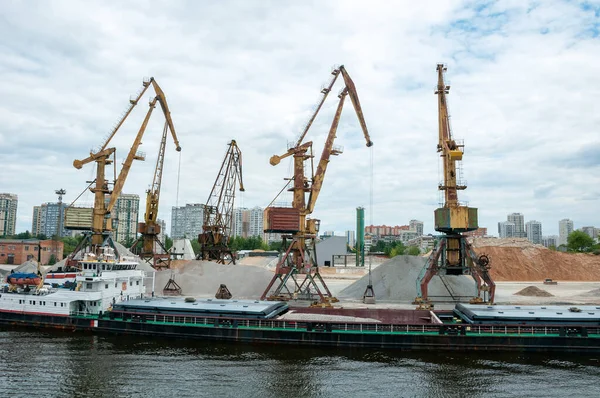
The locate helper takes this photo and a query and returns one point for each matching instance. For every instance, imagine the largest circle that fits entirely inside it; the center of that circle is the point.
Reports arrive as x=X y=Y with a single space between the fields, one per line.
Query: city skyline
x=127 y=225
x=511 y=101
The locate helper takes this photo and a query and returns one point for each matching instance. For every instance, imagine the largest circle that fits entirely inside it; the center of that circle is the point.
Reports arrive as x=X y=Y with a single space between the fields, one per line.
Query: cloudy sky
x=524 y=98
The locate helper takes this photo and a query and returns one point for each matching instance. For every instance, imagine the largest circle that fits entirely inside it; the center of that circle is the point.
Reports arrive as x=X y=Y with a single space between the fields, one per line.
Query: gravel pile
x=395 y=280
x=533 y=291
x=203 y=278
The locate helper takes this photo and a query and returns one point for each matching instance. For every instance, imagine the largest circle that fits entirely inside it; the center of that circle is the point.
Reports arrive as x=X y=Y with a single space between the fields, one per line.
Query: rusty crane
x=299 y=232
x=218 y=211
x=105 y=198
x=453 y=254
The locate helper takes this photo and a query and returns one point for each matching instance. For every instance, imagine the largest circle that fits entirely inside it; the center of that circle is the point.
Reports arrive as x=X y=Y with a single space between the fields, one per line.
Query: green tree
x=24 y=235
x=413 y=251
x=276 y=245
x=397 y=250
x=168 y=242
x=52 y=260
x=579 y=241
x=195 y=246
x=128 y=242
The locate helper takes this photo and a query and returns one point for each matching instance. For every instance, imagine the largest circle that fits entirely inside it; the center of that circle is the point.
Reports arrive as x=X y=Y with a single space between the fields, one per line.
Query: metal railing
x=350 y=327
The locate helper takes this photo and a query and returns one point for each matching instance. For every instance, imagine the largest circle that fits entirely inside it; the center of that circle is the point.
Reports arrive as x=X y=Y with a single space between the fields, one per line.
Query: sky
x=524 y=88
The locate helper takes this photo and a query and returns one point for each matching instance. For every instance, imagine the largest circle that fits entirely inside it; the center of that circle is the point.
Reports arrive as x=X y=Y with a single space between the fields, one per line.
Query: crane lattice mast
x=218 y=211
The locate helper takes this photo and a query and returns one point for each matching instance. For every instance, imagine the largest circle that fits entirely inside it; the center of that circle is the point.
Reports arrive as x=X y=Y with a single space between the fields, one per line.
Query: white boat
x=101 y=282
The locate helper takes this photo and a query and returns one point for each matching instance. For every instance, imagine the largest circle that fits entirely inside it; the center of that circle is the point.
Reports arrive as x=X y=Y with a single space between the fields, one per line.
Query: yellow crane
x=299 y=232
x=150 y=228
x=453 y=254
x=105 y=198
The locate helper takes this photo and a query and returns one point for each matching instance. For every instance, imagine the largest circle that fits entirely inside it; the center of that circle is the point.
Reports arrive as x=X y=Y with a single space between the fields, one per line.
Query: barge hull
x=314 y=334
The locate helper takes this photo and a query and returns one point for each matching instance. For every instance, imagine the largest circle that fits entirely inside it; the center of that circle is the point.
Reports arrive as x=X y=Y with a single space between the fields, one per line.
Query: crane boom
x=325 y=91
x=328 y=150
x=132 y=103
x=356 y=103
x=131 y=156
x=451 y=151
x=153 y=196
x=162 y=100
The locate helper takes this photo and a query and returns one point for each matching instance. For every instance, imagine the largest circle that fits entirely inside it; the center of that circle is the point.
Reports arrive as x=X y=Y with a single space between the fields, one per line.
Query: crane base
x=309 y=286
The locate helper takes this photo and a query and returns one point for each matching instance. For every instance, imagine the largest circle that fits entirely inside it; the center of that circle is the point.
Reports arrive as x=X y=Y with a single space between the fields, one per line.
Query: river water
x=58 y=364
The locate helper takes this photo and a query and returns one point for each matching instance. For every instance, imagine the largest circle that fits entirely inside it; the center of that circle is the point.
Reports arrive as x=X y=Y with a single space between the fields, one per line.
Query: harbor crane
x=453 y=254
x=298 y=263
x=218 y=211
x=150 y=229
x=105 y=198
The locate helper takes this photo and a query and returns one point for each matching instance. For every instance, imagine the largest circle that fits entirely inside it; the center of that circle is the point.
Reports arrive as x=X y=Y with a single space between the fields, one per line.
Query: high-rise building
x=416 y=225
x=187 y=221
x=161 y=235
x=36 y=221
x=534 y=231
x=126 y=213
x=591 y=231
x=550 y=240
x=350 y=238
x=256 y=227
x=49 y=219
x=565 y=227
x=506 y=229
x=519 y=220
x=8 y=213
x=329 y=233
x=247 y=222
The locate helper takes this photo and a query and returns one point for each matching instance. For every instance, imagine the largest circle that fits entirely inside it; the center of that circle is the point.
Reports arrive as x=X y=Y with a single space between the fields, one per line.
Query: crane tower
x=218 y=211
x=453 y=254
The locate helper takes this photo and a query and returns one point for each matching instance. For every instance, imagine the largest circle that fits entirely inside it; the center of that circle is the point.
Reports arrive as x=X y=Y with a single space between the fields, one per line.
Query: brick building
x=478 y=233
x=17 y=251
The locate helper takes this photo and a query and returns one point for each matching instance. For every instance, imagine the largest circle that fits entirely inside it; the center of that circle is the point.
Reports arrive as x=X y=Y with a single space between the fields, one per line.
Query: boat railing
x=355 y=327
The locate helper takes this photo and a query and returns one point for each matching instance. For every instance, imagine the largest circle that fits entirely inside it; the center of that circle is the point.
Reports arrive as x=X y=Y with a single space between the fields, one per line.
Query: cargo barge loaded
x=108 y=297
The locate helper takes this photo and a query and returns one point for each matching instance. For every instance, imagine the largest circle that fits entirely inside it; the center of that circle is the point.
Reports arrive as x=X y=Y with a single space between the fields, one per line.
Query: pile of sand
x=533 y=291
x=395 y=280
x=515 y=259
x=592 y=293
x=203 y=278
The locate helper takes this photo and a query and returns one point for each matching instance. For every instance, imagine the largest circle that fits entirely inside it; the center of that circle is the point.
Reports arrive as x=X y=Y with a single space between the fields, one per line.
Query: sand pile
x=395 y=280
x=296 y=316
x=533 y=291
x=259 y=261
x=203 y=278
x=520 y=260
x=592 y=293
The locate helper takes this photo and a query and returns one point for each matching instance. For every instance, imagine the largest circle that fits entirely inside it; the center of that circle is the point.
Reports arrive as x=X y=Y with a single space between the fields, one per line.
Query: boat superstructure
x=101 y=282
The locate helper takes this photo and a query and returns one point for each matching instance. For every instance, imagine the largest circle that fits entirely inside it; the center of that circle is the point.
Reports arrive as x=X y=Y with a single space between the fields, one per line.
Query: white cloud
x=523 y=98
